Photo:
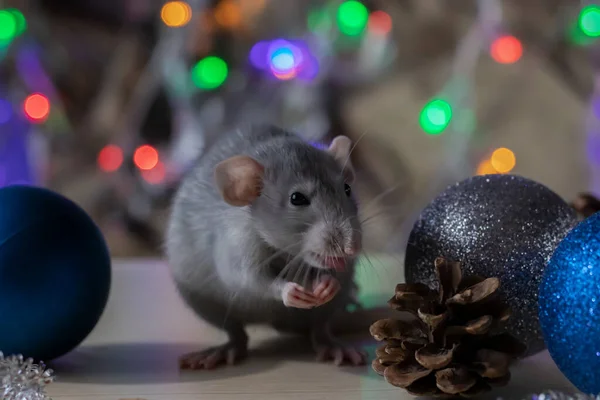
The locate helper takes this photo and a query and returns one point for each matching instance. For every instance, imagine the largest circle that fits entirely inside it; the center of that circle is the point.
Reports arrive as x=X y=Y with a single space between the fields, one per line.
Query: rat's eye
x=347 y=189
x=298 y=199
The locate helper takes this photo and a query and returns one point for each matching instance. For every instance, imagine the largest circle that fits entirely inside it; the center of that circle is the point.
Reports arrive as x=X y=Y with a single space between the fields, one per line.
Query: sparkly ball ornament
x=55 y=273
x=501 y=226
x=569 y=306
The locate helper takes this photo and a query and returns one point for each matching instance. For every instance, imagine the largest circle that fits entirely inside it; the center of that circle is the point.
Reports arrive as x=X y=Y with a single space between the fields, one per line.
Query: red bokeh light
x=110 y=158
x=145 y=157
x=155 y=175
x=380 y=23
x=36 y=107
x=506 y=49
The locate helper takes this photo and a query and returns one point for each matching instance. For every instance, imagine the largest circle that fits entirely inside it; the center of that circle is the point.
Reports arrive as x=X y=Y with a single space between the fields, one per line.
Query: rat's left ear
x=340 y=149
x=239 y=180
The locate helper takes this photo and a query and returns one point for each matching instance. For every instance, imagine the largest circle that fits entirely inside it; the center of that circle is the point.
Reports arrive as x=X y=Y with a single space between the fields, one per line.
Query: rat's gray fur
x=225 y=260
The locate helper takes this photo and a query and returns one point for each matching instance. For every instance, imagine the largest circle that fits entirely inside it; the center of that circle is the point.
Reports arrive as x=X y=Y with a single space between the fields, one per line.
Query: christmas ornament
x=455 y=344
x=569 y=305
x=22 y=379
x=501 y=226
x=55 y=273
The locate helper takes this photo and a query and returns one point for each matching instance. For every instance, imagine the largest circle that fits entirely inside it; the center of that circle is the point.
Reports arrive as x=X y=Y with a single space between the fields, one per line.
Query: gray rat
x=264 y=229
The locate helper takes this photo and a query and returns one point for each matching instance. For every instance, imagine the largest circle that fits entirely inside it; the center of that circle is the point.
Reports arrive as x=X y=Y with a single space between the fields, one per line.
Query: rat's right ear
x=239 y=180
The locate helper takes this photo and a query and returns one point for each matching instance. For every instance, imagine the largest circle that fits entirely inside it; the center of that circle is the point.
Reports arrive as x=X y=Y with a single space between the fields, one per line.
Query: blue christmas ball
x=569 y=305
x=54 y=273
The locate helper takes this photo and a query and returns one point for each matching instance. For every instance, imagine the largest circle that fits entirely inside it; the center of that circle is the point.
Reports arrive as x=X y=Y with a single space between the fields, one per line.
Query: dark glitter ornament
x=569 y=311
x=501 y=226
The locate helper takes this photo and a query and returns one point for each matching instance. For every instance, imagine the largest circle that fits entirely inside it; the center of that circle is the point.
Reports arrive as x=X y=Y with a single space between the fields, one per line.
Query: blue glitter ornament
x=569 y=306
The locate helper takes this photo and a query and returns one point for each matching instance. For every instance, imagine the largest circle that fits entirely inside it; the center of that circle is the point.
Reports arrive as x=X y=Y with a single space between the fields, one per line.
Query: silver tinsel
x=551 y=395
x=22 y=379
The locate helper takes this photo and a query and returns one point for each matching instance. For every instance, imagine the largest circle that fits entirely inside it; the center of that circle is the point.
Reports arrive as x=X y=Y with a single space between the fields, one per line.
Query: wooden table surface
x=133 y=352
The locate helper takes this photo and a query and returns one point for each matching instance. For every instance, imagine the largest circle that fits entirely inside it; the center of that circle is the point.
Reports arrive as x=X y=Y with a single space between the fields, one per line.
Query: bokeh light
x=209 y=73
x=589 y=20
x=320 y=20
x=5 y=111
x=228 y=14
x=21 y=22
x=110 y=158
x=36 y=107
x=380 y=23
x=176 y=13
x=506 y=49
x=486 y=168
x=155 y=175
x=352 y=17
x=503 y=160
x=145 y=157
x=285 y=59
x=8 y=26
x=435 y=116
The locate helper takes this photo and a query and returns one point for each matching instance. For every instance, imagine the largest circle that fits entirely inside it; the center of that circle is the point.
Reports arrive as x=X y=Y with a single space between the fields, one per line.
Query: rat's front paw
x=296 y=296
x=326 y=288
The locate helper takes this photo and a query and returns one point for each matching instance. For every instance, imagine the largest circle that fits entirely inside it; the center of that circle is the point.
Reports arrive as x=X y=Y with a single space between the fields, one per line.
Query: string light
x=8 y=26
x=145 y=157
x=320 y=20
x=285 y=59
x=503 y=160
x=209 y=73
x=589 y=20
x=380 y=23
x=110 y=158
x=20 y=21
x=155 y=175
x=228 y=14
x=486 y=168
x=506 y=50
x=176 y=14
x=36 y=107
x=435 y=116
x=352 y=17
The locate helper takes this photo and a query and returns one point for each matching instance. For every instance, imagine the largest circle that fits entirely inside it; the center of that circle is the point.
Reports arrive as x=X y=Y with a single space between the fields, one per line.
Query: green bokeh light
x=435 y=116
x=352 y=17
x=21 y=22
x=209 y=73
x=589 y=21
x=8 y=26
x=319 y=20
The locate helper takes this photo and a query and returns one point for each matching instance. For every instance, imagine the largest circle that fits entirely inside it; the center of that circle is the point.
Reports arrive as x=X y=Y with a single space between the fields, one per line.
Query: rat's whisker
x=382 y=195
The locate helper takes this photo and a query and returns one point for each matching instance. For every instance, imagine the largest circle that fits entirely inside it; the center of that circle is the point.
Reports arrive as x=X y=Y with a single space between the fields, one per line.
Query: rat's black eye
x=298 y=199
x=347 y=189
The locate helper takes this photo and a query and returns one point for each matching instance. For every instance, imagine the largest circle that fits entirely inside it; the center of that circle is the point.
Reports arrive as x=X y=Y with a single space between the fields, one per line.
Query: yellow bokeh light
x=228 y=14
x=176 y=13
x=486 y=168
x=503 y=160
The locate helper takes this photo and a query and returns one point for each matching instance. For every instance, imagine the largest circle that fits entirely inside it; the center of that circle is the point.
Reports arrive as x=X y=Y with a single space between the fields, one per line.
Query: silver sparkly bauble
x=496 y=225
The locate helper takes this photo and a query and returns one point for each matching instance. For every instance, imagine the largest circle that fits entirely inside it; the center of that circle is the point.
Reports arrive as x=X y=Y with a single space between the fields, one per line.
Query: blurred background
x=110 y=101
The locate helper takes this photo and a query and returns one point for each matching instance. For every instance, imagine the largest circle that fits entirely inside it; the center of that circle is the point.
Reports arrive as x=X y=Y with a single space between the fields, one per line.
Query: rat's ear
x=340 y=149
x=239 y=180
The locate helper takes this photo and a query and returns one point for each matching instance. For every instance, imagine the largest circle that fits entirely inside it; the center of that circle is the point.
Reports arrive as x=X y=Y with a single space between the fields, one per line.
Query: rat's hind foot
x=341 y=354
x=213 y=357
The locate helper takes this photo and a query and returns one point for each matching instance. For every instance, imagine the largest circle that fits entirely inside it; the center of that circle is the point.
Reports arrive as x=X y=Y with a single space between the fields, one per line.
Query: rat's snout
x=344 y=241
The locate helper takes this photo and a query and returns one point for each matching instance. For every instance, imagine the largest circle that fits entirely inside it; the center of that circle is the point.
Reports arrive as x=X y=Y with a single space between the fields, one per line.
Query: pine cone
x=586 y=205
x=453 y=345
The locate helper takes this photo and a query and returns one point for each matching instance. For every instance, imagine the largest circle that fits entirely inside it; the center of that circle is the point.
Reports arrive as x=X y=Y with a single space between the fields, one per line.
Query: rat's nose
x=350 y=251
